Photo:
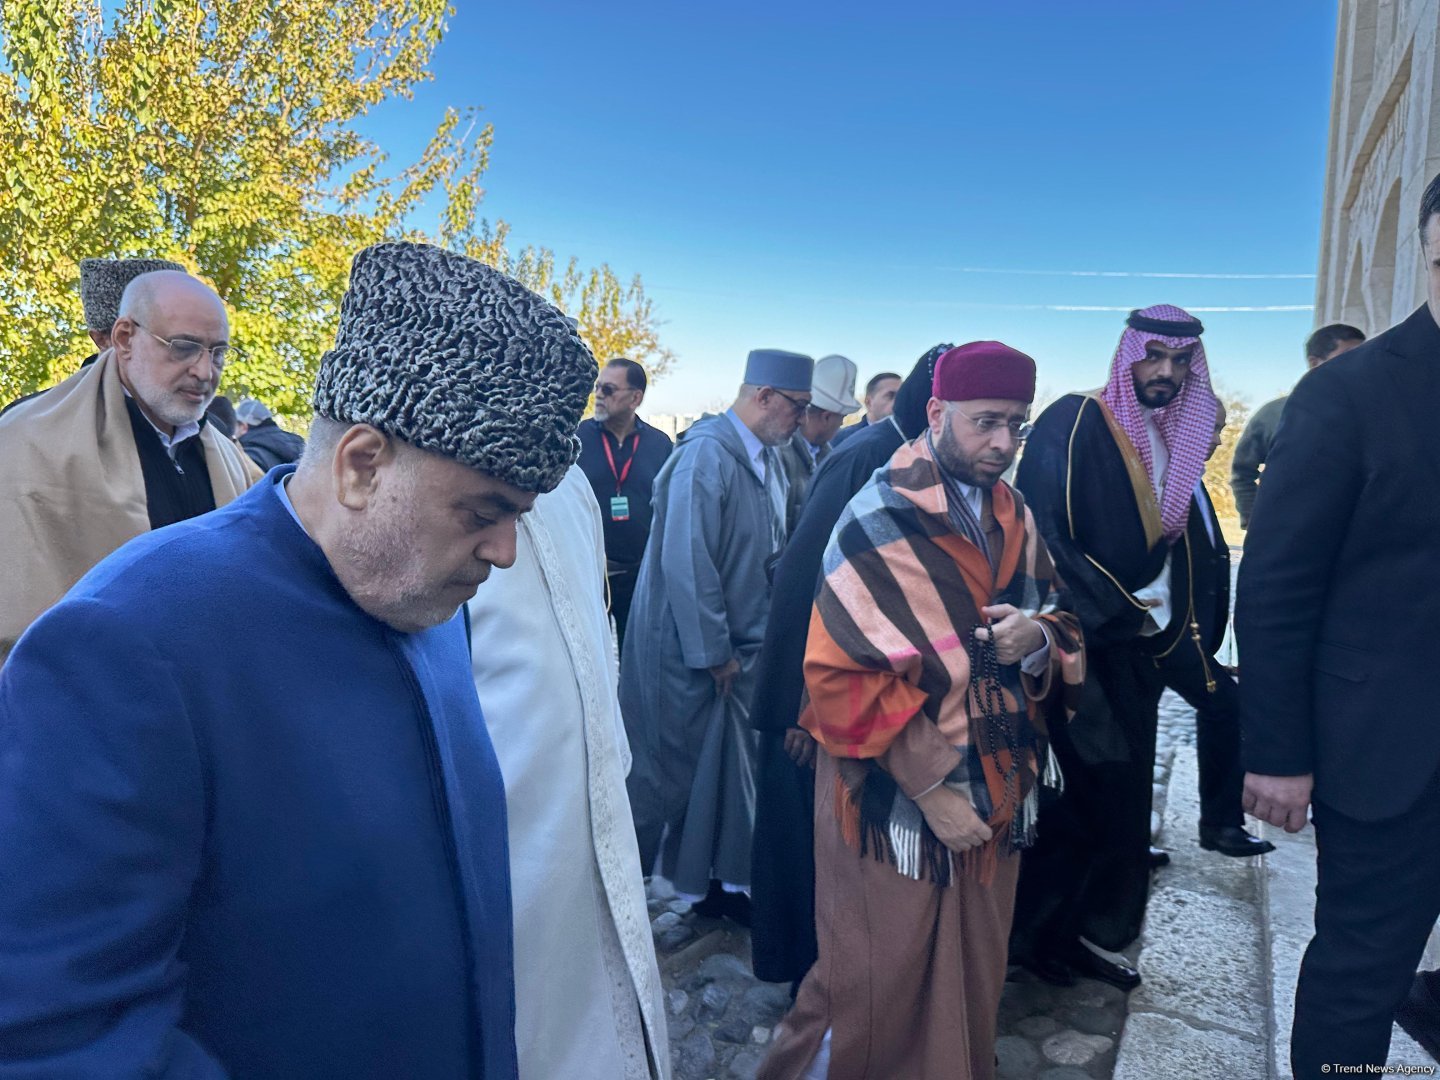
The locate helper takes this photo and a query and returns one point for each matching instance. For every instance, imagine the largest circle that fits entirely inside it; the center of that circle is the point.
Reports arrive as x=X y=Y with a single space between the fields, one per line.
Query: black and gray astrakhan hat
x=103 y=281
x=452 y=356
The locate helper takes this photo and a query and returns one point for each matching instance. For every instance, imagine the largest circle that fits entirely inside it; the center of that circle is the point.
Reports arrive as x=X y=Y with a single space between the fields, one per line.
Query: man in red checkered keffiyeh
x=1113 y=479
x=1160 y=368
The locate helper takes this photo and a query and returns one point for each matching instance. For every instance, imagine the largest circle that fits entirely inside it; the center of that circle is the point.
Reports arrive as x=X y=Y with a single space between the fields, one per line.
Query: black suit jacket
x=1210 y=572
x=1339 y=589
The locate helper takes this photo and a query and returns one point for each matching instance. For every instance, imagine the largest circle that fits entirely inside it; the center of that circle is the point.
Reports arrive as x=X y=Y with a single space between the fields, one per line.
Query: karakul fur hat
x=451 y=356
x=102 y=281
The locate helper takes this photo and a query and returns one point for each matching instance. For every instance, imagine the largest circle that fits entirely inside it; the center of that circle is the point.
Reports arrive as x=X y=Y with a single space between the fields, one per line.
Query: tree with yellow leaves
x=1217 y=469
x=223 y=135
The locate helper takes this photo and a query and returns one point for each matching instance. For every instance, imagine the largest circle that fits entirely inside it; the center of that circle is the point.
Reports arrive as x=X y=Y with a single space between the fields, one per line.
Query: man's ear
x=359 y=456
x=101 y=338
x=935 y=414
x=121 y=335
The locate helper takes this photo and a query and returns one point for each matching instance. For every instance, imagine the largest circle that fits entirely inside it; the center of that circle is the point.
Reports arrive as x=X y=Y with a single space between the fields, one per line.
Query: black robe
x=1199 y=677
x=782 y=877
x=1088 y=873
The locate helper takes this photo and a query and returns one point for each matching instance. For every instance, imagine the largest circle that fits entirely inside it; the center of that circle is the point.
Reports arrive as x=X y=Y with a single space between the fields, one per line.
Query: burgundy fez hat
x=984 y=369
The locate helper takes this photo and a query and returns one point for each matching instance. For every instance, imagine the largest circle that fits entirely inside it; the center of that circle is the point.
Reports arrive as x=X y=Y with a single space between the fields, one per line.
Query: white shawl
x=544 y=662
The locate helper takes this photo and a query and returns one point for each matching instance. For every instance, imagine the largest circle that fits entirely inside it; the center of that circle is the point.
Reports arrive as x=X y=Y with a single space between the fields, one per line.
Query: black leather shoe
x=713 y=906
x=719 y=904
x=1089 y=965
x=1419 y=1014
x=1232 y=840
x=1158 y=858
x=1050 y=969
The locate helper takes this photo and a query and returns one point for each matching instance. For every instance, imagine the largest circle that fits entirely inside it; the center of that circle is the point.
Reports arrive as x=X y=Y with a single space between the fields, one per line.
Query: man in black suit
x=1204 y=683
x=1338 y=597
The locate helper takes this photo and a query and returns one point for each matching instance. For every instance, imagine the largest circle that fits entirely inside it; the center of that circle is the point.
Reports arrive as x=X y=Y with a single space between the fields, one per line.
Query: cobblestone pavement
x=721 y=1017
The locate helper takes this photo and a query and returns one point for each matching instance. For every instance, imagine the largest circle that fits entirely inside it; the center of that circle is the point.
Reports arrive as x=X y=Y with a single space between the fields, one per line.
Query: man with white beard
x=117 y=449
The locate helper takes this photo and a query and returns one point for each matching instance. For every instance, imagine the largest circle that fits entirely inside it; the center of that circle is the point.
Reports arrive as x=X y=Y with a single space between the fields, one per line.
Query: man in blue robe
x=282 y=854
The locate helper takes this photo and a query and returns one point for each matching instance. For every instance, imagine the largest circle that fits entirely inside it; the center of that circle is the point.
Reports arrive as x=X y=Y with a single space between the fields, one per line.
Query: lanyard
x=620 y=474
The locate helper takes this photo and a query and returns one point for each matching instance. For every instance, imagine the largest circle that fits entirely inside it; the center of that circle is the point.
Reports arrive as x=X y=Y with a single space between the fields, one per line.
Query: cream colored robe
x=587 y=989
x=71 y=489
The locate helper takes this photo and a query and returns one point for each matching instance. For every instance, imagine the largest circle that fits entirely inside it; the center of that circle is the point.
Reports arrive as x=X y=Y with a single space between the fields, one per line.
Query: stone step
x=1202 y=1011
x=1221 y=951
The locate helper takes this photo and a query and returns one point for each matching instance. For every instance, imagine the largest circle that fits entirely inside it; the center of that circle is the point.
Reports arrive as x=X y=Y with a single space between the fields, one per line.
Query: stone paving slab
x=1159 y=1046
x=1202 y=962
x=1202 y=1009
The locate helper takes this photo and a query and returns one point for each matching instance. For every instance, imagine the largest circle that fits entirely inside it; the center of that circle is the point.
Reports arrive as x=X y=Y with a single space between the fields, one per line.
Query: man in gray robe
x=696 y=625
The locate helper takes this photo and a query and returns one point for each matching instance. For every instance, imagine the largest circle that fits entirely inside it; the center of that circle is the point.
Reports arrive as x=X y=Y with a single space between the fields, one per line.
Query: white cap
x=832 y=387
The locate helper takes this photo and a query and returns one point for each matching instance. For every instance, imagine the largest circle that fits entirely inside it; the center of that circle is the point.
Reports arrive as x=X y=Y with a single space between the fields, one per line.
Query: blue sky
x=848 y=178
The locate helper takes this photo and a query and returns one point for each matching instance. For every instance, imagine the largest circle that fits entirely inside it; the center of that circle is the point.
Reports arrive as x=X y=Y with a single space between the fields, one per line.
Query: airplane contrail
x=1191 y=308
x=981 y=305
x=1126 y=274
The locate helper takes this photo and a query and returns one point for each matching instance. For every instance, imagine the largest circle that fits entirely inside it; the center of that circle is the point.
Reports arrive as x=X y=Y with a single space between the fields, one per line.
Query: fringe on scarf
x=1022 y=828
x=1052 y=776
x=879 y=822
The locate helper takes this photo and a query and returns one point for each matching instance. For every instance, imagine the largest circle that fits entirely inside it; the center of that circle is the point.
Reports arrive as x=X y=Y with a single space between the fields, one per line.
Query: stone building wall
x=1384 y=147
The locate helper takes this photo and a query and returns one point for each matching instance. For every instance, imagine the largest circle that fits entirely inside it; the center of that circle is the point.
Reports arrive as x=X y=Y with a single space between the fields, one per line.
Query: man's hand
x=1016 y=634
x=1280 y=800
x=800 y=745
x=724 y=676
x=952 y=819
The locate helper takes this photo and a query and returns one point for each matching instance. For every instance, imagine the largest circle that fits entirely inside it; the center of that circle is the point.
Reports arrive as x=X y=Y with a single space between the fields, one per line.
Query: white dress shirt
x=170 y=442
x=1160 y=615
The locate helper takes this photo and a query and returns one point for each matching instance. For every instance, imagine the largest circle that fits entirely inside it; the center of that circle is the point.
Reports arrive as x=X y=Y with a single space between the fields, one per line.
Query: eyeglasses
x=185 y=352
x=1020 y=430
x=795 y=403
x=607 y=390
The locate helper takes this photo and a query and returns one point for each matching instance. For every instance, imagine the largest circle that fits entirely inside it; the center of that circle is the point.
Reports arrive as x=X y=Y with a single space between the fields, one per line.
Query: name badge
x=620 y=508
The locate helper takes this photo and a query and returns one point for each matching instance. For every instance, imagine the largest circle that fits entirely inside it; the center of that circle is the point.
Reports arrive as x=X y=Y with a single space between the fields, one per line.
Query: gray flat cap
x=103 y=280
x=451 y=356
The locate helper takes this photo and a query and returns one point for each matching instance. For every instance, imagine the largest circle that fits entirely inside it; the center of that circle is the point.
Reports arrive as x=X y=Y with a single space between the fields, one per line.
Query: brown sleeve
x=920 y=757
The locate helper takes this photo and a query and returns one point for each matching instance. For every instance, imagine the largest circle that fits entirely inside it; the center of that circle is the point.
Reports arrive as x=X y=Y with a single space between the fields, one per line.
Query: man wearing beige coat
x=117 y=449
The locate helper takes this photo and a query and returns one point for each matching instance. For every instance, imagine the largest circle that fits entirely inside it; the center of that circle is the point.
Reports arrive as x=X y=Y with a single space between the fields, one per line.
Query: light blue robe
x=702 y=599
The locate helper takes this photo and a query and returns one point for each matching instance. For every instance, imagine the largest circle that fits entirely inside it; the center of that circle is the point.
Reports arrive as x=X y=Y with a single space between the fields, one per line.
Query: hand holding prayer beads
x=1015 y=634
